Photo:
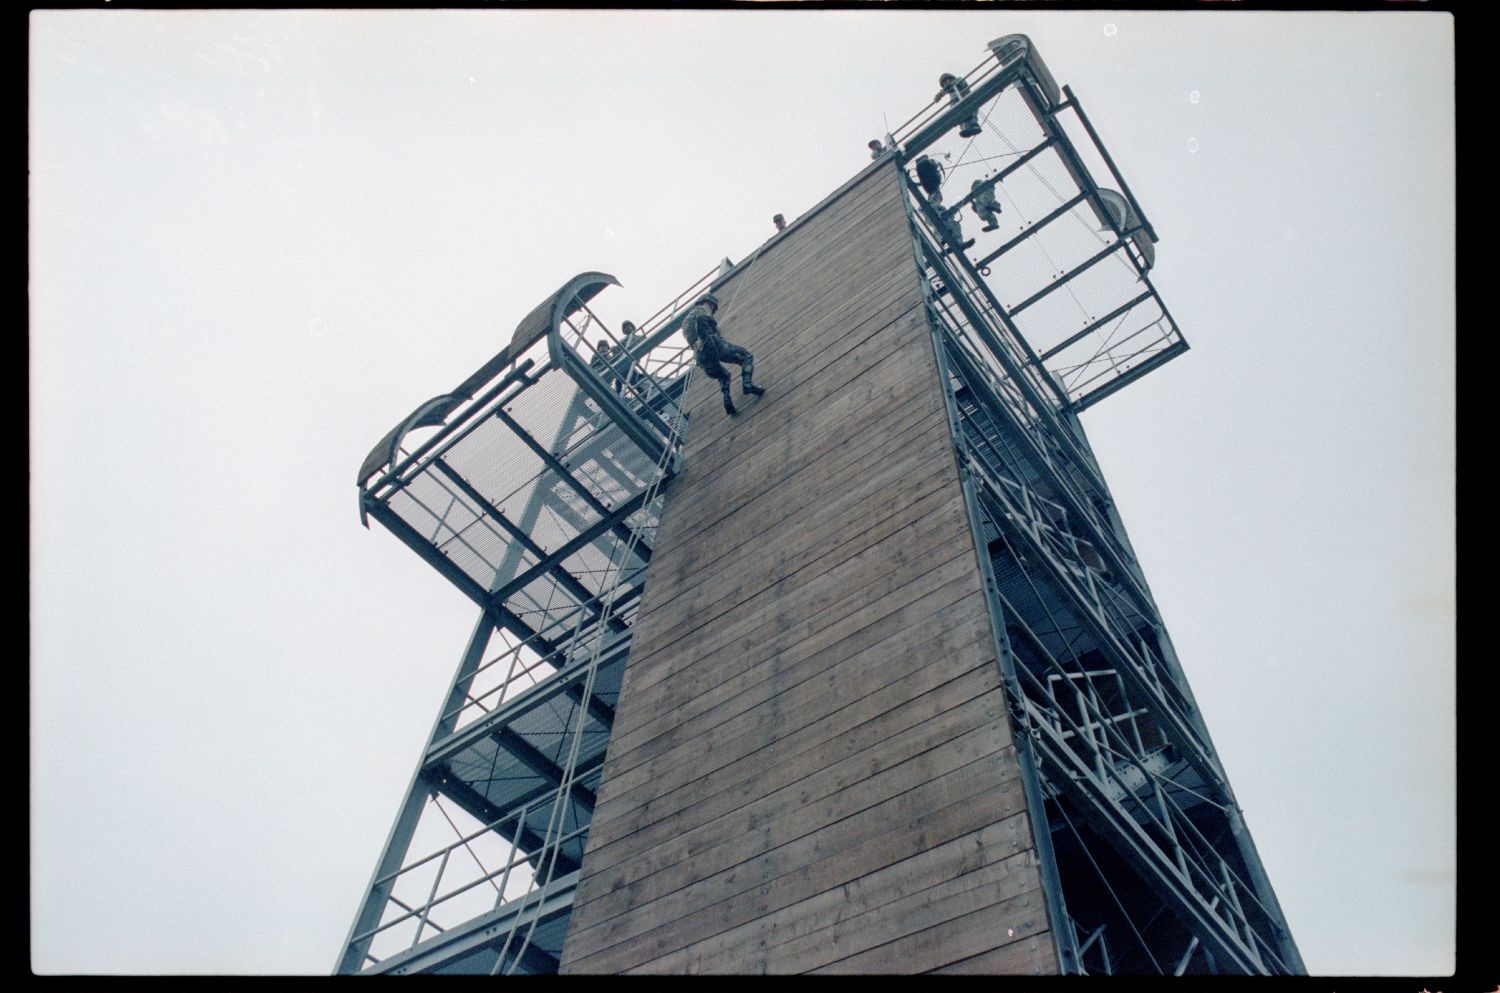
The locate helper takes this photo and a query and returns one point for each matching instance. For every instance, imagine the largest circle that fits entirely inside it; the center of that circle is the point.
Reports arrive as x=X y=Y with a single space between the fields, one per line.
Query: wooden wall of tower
x=811 y=767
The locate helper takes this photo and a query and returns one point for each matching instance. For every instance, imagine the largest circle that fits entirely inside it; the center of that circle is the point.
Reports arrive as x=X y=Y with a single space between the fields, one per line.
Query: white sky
x=260 y=239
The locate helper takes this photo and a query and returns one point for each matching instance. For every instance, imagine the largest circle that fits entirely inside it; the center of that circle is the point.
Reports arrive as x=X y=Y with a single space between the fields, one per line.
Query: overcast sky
x=260 y=239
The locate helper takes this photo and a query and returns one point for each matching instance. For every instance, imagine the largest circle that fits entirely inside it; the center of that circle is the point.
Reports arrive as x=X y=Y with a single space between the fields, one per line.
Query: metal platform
x=1067 y=265
x=537 y=495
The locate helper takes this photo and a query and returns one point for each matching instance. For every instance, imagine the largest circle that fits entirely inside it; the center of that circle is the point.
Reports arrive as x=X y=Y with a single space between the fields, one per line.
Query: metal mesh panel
x=452 y=523
x=1082 y=300
x=1053 y=256
x=1133 y=339
x=494 y=505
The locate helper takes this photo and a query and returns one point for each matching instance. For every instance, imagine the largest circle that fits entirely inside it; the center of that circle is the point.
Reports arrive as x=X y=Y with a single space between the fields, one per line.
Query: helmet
x=709 y=299
x=946 y=78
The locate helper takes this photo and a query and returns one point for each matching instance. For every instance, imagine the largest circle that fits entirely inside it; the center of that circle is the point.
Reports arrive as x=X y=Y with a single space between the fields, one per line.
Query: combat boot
x=749 y=389
x=728 y=403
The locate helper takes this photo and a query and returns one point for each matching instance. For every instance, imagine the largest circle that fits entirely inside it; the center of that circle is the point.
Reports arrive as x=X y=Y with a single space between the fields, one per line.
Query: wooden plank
x=895 y=916
x=756 y=656
x=788 y=832
x=803 y=382
x=915 y=822
x=897 y=546
x=800 y=315
x=887 y=393
x=761 y=783
x=833 y=514
x=801 y=341
x=819 y=773
x=835 y=206
x=1035 y=955
x=951 y=939
x=812 y=658
x=865 y=220
x=778 y=568
x=814 y=680
x=809 y=924
x=758 y=522
x=656 y=905
x=811 y=761
x=800 y=376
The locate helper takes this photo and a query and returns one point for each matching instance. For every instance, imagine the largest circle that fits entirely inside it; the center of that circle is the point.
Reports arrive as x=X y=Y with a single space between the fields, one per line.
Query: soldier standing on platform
x=631 y=341
x=711 y=350
x=603 y=363
x=930 y=178
x=957 y=89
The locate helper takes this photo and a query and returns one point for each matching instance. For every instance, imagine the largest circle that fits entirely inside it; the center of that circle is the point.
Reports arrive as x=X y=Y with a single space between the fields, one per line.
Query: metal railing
x=535 y=499
x=1064 y=260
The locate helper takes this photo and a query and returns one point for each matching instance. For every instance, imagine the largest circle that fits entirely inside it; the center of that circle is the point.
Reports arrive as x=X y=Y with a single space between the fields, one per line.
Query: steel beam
x=1064 y=941
x=564 y=578
x=1068 y=277
x=1081 y=510
x=1067 y=758
x=1123 y=832
x=1014 y=369
x=1125 y=379
x=1001 y=176
x=443 y=564
x=562 y=471
x=519 y=374
x=1109 y=162
x=398 y=840
x=979 y=95
x=521 y=836
x=1036 y=226
x=1073 y=339
x=475 y=934
x=551 y=563
x=511 y=710
x=533 y=759
x=1181 y=732
x=652 y=443
x=584 y=768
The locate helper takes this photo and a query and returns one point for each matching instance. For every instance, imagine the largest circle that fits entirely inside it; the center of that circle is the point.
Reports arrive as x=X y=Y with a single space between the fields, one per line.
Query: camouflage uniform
x=985 y=205
x=604 y=363
x=630 y=344
x=711 y=351
x=957 y=89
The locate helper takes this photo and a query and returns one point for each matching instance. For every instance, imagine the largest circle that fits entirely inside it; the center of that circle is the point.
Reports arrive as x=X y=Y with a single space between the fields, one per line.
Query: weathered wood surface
x=811 y=766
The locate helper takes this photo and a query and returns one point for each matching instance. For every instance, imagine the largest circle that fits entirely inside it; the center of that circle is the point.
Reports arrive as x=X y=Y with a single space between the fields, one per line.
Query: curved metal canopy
x=1128 y=223
x=570 y=297
x=430 y=414
x=1012 y=46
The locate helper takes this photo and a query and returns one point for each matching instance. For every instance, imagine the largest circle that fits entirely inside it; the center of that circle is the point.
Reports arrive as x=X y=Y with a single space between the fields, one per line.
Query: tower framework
x=866 y=679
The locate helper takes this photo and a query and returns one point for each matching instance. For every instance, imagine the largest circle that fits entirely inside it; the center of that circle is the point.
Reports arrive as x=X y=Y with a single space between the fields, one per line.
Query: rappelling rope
x=551 y=837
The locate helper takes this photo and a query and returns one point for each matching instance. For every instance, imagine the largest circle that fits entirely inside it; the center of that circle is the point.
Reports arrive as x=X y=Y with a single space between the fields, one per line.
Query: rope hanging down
x=553 y=835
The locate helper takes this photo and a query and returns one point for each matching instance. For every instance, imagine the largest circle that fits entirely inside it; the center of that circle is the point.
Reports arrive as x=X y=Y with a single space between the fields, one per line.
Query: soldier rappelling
x=712 y=351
